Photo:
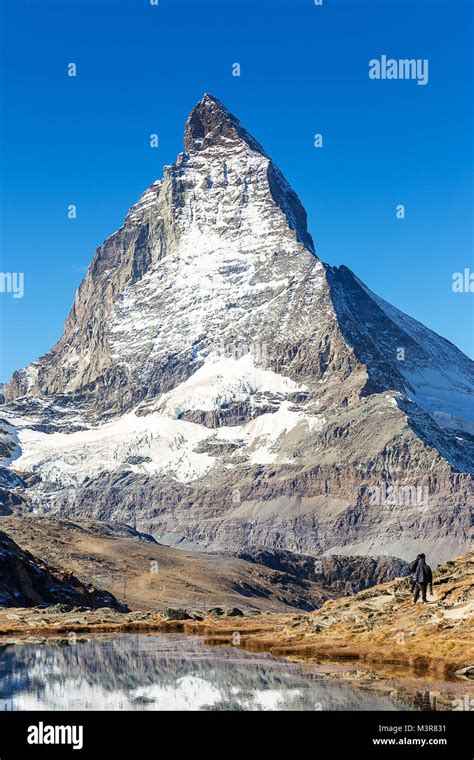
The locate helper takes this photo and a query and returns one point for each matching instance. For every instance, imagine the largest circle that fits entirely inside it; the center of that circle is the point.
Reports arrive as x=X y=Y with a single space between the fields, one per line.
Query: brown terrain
x=147 y=576
x=379 y=627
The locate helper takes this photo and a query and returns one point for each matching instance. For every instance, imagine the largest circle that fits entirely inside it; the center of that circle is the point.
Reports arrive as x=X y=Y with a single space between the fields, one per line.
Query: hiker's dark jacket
x=422 y=573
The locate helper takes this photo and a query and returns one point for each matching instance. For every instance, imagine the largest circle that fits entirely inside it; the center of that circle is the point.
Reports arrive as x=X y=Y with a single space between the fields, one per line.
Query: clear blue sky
x=304 y=69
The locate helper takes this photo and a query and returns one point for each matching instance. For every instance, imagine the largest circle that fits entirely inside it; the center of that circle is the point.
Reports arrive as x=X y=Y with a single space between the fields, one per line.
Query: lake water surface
x=177 y=672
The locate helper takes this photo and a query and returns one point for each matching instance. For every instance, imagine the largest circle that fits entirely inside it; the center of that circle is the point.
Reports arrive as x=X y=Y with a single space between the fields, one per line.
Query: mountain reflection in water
x=170 y=672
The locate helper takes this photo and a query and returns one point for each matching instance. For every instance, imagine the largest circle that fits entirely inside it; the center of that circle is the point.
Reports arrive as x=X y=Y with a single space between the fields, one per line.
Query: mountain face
x=217 y=381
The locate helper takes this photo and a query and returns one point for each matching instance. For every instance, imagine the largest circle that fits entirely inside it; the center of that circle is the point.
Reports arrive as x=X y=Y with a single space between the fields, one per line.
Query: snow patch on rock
x=164 y=446
x=222 y=380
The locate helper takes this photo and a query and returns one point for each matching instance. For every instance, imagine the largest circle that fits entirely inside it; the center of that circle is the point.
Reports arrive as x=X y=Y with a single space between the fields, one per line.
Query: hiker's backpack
x=422 y=573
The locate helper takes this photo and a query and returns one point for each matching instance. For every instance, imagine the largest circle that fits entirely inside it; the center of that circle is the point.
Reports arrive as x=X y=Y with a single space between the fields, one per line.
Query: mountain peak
x=211 y=123
x=209 y=351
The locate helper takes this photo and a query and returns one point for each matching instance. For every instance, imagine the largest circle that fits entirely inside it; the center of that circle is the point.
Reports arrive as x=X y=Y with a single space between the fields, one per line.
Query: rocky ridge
x=28 y=582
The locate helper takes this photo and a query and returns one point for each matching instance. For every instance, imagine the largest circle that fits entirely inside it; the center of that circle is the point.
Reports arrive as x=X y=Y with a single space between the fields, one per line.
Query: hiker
x=422 y=577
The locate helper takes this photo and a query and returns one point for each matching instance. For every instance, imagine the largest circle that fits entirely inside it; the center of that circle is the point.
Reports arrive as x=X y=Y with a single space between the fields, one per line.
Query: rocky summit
x=218 y=384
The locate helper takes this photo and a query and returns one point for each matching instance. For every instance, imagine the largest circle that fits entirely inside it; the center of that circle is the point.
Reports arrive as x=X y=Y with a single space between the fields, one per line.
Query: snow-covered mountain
x=217 y=380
